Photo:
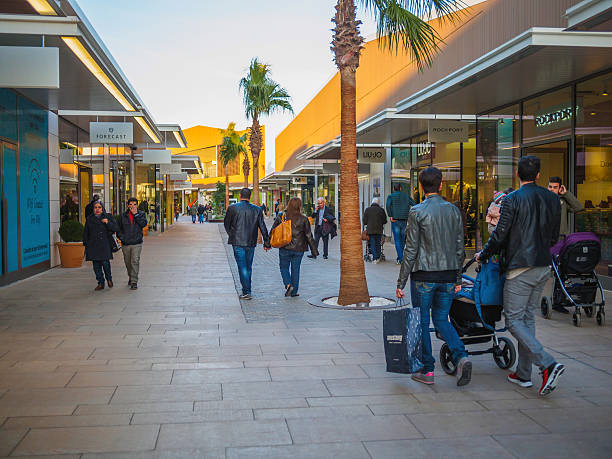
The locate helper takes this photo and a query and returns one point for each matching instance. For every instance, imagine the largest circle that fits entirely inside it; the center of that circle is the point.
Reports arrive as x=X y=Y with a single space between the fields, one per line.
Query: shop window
x=549 y=116
x=593 y=172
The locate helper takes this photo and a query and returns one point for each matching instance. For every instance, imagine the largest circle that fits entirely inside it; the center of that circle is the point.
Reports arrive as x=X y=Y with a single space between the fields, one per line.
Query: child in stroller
x=475 y=310
x=575 y=282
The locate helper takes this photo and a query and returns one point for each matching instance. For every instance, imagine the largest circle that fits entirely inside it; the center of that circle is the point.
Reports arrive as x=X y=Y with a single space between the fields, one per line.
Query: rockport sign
x=557 y=116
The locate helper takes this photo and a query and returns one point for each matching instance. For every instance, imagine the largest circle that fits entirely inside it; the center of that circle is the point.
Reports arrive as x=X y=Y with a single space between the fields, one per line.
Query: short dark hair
x=555 y=179
x=95 y=197
x=133 y=199
x=528 y=168
x=430 y=179
x=508 y=190
x=397 y=187
x=245 y=193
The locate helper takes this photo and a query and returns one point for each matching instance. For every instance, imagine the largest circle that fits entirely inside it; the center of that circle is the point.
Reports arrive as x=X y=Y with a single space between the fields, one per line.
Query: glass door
x=9 y=216
x=554 y=157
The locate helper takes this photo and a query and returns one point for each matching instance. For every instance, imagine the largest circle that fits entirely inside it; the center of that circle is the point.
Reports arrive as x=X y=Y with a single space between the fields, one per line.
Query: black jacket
x=528 y=227
x=328 y=227
x=97 y=237
x=201 y=209
x=434 y=239
x=374 y=218
x=241 y=223
x=301 y=234
x=131 y=233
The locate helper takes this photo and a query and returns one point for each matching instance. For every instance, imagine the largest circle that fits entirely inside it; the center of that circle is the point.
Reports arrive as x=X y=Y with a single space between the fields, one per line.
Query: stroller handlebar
x=468 y=264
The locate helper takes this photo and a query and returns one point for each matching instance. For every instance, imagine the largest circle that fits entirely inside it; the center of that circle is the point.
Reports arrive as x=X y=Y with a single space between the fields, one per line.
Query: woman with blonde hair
x=290 y=256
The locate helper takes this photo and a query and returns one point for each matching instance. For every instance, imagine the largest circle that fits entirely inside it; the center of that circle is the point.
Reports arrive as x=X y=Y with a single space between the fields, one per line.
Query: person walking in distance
x=323 y=219
x=97 y=235
x=528 y=227
x=201 y=210
x=242 y=221
x=193 y=211
x=374 y=219
x=290 y=256
x=433 y=259
x=131 y=223
x=398 y=206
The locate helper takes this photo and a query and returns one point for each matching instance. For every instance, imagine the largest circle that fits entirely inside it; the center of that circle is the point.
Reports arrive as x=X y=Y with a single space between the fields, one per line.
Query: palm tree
x=399 y=24
x=246 y=168
x=231 y=147
x=261 y=96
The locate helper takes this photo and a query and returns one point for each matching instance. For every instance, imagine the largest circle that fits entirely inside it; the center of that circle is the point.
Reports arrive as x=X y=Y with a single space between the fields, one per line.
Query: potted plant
x=72 y=249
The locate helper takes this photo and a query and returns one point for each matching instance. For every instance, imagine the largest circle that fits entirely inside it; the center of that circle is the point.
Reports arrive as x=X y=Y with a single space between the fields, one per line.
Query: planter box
x=71 y=254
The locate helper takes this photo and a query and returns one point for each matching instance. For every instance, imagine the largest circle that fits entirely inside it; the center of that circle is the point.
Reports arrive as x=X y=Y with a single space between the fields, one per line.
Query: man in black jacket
x=241 y=222
x=528 y=227
x=323 y=219
x=131 y=223
x=374 y=219
x=89 y=207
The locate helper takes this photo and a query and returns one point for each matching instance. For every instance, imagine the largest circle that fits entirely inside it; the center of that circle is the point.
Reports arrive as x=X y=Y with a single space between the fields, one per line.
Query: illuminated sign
x=553 y=117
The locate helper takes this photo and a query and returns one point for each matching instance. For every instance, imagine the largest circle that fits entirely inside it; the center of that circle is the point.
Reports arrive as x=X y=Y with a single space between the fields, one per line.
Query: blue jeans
x=244 y=260
x=375 y=245
x=201 y=218
x=98 y=267
x=290 y=259
x=438 y=298
x=193 y=218
x=399 y=237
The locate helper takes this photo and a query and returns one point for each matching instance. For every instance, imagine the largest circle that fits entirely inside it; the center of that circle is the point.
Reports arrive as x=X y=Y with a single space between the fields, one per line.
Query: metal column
x=315 y=195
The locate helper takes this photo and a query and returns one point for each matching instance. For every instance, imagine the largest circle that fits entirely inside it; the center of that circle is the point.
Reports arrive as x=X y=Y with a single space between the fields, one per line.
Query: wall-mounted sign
x=107 y=132
x=555 y=117
x=66 y=156
x=445 y=131
x=172 y=168
x=156 y=157
x=371 y=155
x=182 y=177
x=299 y=180
x=29 y=67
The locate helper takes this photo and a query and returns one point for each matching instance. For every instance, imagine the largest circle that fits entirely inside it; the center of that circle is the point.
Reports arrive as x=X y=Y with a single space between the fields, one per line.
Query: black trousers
x=319 y=235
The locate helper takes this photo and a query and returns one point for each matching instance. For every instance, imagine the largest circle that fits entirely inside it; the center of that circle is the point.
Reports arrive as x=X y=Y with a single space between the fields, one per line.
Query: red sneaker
x=513 y=378
x=550 y=378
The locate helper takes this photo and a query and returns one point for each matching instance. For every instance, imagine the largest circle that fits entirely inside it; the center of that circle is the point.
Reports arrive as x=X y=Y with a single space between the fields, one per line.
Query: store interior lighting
x=178 y=139
x=147 y=129
x=79 y=50
x=42 y=7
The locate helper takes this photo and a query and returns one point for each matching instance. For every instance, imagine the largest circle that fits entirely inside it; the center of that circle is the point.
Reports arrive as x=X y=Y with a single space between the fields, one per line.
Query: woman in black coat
x=97 y=237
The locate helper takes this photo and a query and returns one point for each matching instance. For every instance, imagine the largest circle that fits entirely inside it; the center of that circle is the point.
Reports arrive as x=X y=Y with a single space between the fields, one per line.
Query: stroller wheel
x=546 y=307
x=446 y=360
x=588 y=311
x=505 y=355
x=601 y=318
x=577 y=319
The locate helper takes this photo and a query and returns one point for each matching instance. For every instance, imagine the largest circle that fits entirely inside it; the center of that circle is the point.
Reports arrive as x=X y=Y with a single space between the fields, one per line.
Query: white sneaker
x=376 y=261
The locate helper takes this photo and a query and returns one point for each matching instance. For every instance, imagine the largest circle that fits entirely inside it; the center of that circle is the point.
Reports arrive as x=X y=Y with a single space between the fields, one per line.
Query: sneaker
x=325 y=257
x=464 y=371
x=134 y=286
x=293 y=295
x=514 y=379
x=398 y=262
x=289 y=290
x=425 y=378
x=376 y=261
x=311 y=256
x=245 y=296
x=550 y=378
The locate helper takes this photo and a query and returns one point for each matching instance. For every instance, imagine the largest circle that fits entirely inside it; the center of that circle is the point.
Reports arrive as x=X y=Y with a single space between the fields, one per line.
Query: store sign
x=66 y=156
x=371 y=155
x=156 y=157
x=299 y=180
x=554 y=117
x=182 y=177
x=447 y=131
x=29 y=67
x=172 y=168
x=107 y=132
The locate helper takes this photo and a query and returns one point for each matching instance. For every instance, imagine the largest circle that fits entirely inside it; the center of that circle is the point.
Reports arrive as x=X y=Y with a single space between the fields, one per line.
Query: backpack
x=281 y=235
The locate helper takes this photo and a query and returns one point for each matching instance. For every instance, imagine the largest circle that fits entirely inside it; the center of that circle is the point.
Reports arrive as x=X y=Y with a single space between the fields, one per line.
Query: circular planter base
x=319 y=301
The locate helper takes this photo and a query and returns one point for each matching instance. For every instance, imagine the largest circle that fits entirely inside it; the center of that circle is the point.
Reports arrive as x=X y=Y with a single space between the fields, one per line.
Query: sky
x=185 y=58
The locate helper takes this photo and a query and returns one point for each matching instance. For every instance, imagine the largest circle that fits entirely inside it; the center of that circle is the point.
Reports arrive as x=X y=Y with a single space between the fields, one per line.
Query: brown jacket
x=301 y=234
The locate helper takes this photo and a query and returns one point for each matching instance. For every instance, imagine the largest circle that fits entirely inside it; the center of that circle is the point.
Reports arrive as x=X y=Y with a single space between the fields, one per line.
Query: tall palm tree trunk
x=255 y=145
x=353 y=285
x=246 y=167
x=226 y=189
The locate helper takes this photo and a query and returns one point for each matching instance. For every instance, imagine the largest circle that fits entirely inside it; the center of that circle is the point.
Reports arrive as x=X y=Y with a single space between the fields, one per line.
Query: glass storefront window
x=549 y=116
x=593 y=172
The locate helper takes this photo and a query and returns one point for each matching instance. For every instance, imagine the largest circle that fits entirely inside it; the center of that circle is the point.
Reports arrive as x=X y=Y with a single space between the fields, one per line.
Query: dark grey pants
x=131 y=257
x=522 y=296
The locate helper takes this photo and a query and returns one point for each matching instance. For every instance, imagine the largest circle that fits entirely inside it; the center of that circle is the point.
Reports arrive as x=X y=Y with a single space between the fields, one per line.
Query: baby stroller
x=575 y=283
x=368 y=252
x=475 y=309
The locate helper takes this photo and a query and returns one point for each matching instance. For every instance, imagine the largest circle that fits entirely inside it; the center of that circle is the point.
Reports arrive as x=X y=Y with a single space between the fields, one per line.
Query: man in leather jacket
x=241 y=222
x=433 y=258
x=528 y=227
x=323 y=219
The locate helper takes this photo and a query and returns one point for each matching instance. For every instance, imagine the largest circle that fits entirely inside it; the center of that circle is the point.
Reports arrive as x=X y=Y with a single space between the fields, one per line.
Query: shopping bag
x=115 y=243
x=365 y=236
x=281 y=235
x=402 y=339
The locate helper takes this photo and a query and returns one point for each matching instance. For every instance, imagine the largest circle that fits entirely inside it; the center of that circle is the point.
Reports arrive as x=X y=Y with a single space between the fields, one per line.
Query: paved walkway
x=175 y=370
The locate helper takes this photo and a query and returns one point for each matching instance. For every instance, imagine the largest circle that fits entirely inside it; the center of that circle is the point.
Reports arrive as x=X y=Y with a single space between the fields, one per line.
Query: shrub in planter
x=72 y=249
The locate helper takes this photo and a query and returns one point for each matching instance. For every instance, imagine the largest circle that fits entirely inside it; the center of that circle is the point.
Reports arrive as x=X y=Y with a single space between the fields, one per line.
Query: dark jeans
x=399 y=237
x=193 y=219
x=201 y=218
x=290 y=259
x=319 y=235
x=244 y=260
x=375 y=245
x=99 y=266
x=438 y=298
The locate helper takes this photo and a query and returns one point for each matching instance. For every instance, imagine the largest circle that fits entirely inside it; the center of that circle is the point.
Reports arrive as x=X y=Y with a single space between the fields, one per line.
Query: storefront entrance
x=554 y=157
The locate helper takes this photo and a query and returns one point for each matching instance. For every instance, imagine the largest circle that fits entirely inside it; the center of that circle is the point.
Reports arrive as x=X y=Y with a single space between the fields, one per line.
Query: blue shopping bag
x=402 y=339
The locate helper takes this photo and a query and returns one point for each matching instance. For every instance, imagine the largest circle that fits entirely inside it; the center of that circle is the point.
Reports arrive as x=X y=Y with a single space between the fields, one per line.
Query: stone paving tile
x=67 y=421
x=302 y=373
x=154 y=407
x=167 y=393
x=182 y=453
x=274 y=389
x=584 y=445
x=251 y=403
x=87 y=439
x=353 y=450
x=220 y=375
x=34 y=380
x=9 y=439
x=375 y=386
x=121 y=378
x=360 y=400
x=472 y=447
x=572 y=419
x=413 y=407
x=339 y=412
x=177 y=417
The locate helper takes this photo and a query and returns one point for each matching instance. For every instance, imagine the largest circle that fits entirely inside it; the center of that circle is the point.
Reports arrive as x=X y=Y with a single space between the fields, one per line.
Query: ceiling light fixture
x=178 y=139
x=593 y=113
x=42 y=7
x=143 y=124
x=79 y=50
